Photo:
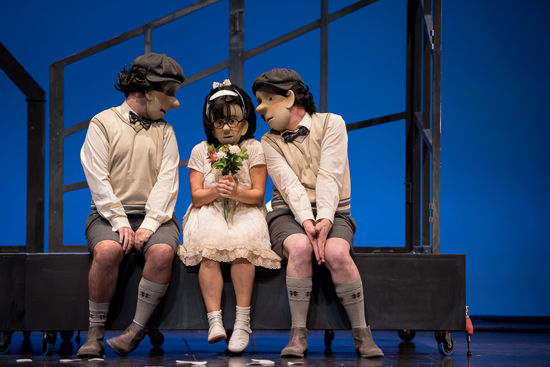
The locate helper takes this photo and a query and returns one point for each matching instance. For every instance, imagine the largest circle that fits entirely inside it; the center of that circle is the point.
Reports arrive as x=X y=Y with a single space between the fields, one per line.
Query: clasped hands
x=317 y=234
x=227 y=187
x=131 y=239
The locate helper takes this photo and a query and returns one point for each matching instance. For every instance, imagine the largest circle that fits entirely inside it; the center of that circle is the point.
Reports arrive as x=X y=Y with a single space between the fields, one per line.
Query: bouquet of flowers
x=227 y=158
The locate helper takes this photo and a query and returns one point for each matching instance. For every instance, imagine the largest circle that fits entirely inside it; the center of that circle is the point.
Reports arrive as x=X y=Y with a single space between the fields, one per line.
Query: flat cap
x=279 y=79
x=160 y=68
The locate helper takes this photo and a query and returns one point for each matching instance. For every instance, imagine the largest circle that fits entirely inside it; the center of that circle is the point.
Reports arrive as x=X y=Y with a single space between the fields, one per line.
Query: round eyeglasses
x=232 y=122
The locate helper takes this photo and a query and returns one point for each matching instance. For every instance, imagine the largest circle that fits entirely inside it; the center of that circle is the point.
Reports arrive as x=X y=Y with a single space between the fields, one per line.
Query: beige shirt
x=161 y=199
x=332 y=165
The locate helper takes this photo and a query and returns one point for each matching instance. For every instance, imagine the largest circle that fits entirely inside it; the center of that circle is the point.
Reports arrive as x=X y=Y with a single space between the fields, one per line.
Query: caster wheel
x=156 y=338
x=406 y=335
x=444 y=349
x=48 y=342
x=5 y=348
x=329 y=337
x=26 y=334
x=5 y=341
x=66 y=335
x=445 y=343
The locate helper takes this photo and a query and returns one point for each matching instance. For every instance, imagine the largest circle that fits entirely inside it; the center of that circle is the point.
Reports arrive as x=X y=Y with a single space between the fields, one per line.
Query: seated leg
x=242 y=276
x=211 y=283
x=349 y=288
x=297 y=249
x=157 y=269
x=102 y=279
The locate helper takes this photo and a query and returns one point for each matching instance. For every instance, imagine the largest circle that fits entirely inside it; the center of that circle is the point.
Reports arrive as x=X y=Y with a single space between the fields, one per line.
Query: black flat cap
x=279 y=79
x=160 y=68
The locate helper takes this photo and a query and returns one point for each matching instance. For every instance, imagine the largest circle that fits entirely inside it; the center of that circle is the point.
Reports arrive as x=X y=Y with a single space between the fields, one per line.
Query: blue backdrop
x=495 y=160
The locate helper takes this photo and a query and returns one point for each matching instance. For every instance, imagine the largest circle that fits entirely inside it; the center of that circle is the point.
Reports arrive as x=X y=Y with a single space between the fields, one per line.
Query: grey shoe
x=364 y=344
x=94 y=346
x=297 y=345
x=128 y=341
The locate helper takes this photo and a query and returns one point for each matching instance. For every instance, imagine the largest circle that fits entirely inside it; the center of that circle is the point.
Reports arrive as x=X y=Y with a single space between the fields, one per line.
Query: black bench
x=48 y=292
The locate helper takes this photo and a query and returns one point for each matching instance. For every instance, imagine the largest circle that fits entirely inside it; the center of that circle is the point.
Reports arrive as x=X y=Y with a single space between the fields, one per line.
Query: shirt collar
x=306 y=122
x=125 y=109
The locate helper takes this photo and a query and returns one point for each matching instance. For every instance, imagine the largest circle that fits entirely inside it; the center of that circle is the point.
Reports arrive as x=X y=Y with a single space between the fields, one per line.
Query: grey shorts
x=281 y=224
x=99 y=229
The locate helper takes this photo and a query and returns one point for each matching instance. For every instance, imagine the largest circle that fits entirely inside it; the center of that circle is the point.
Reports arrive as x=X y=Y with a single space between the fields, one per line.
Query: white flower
x=234 y=149
x=221 y=155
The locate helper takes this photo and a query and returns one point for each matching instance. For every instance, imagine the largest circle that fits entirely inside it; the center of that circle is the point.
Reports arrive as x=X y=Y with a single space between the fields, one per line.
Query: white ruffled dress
x=207 y=234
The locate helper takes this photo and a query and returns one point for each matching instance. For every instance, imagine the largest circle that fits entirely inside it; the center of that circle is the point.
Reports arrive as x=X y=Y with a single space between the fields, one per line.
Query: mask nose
x=226 y=128
x=176 y=104
x=260 y=109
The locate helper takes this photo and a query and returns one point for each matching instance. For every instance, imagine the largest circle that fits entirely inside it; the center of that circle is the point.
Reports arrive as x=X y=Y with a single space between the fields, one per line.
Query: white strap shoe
x=241 y=331
x=216 y=332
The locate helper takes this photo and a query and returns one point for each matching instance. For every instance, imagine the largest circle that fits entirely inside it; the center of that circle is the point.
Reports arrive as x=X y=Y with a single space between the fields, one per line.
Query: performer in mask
x=307 y=159
x=242 y=238
x=130 y=158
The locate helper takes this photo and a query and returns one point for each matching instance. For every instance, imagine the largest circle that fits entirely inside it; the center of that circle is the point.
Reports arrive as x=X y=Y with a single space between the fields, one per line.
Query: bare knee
x=337 y=255
x=209 y=264
x=298 y=248
x=107 y=254
x=160 y=256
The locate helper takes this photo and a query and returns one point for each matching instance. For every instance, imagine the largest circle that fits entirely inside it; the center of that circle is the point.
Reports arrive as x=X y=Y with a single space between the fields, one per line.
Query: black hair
x=134 y=80
x=221 y=107
x=303 y=98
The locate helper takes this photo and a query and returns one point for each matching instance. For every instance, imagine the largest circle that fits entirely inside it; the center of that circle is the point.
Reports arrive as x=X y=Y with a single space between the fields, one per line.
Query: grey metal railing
x=422 y=113
x=36 y=149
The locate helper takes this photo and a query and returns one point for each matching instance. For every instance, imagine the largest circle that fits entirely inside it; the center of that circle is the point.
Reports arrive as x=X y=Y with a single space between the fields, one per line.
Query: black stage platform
x=48 y=292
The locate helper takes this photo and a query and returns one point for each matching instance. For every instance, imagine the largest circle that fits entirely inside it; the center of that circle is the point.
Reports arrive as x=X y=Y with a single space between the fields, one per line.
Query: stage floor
x=489 y=349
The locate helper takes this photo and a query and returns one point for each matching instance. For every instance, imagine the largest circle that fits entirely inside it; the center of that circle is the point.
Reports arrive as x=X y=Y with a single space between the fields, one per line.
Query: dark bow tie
x=289 y=136
x=145 y=122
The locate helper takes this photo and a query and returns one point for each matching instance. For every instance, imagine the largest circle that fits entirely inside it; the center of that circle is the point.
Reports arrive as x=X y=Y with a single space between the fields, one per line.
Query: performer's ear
x=244 y=127
x=289 y=99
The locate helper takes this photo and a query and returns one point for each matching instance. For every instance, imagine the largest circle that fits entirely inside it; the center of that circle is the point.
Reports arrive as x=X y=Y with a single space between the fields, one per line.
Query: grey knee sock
x=98 y=313
x=149 y=296
x=299 y=294
x=351 y=296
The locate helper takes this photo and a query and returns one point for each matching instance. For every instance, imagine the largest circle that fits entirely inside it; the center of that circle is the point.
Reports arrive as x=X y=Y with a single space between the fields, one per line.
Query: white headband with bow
x=222 y=93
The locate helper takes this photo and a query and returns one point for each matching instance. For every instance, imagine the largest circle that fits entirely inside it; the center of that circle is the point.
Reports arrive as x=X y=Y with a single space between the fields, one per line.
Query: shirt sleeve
x=162 y=199
x=197 y=158
x=255 y=154
x=94 y=157
x=288 y=184
x=332 y=166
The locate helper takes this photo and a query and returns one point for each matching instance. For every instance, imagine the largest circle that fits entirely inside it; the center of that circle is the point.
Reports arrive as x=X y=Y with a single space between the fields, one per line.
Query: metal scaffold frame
x=36 y=149
x=422 y=114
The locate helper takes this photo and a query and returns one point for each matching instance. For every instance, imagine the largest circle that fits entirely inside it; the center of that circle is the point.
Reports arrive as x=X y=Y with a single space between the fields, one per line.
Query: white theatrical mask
x=274 y=108
x=160 y=101
x=232 y=135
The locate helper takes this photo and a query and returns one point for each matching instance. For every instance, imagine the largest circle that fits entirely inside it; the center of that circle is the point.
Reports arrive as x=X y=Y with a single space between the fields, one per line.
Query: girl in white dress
x=243 y=239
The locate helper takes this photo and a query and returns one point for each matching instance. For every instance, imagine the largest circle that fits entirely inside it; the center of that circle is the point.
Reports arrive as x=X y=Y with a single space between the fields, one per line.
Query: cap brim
x=281 y=88
x=159 y=79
